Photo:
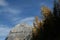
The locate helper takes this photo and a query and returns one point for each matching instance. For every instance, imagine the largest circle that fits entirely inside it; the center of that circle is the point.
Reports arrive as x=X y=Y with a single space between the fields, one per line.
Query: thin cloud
x=11 y=11
x=7 y=9
x=14 y=19
x=27 y=19
x=14 y=11
x=3 y=3
x=19 y=20
x=4 y=31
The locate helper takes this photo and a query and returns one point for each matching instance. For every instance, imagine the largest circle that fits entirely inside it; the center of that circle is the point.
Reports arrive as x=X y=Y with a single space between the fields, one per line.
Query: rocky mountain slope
x=20 y=32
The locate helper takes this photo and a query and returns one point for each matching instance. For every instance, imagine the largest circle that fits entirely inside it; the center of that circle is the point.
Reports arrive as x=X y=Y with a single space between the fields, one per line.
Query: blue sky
x=13 y=12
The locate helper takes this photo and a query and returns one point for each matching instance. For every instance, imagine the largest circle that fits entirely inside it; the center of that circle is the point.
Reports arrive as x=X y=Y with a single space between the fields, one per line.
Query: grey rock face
x=20 y=32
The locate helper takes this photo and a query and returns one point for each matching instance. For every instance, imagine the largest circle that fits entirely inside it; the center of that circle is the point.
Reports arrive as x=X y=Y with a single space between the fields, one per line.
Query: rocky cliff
x=20 y=32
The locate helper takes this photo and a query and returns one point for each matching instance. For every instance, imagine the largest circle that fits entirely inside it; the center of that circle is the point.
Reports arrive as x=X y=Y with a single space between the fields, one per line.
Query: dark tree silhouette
x=51 y=24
